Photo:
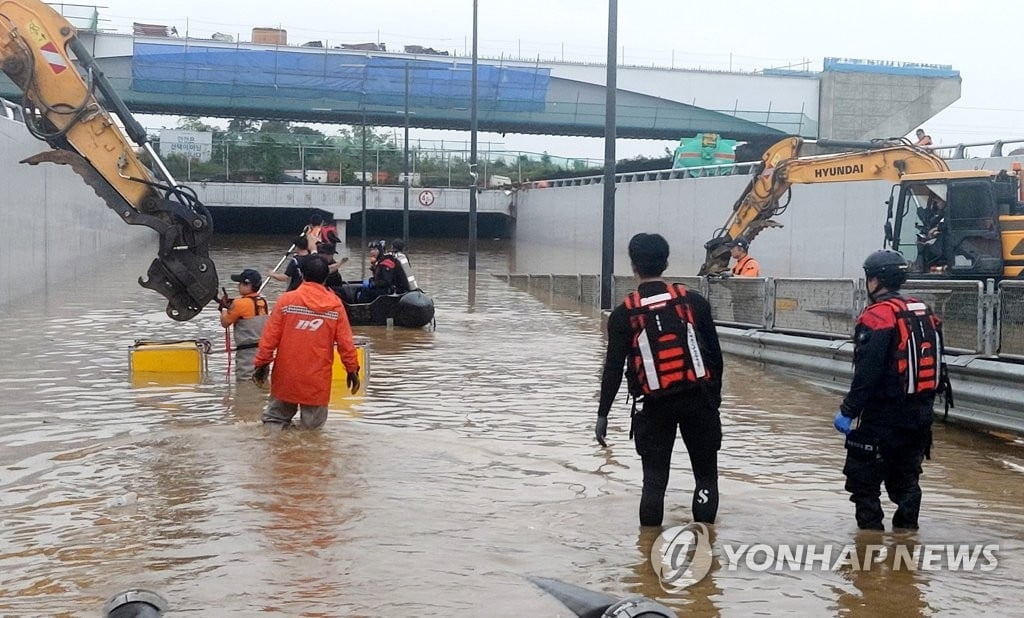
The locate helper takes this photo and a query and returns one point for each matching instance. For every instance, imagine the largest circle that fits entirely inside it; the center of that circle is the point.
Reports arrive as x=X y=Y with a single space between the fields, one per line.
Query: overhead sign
x=189 y=144
x=426 y=198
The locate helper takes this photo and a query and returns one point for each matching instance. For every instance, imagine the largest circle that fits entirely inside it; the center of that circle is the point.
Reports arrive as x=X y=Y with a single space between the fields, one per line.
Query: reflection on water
x=468 y=465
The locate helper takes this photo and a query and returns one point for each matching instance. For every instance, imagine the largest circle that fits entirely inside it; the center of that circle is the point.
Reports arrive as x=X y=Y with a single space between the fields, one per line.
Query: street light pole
x=405 y=154
x=473 y=122
x=608 y=223
x=362 y=218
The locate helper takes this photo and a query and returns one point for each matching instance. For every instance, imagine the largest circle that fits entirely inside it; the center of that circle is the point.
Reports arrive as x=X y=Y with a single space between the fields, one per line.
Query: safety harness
x=248 y=330
x=665 y=356
x=919 y=349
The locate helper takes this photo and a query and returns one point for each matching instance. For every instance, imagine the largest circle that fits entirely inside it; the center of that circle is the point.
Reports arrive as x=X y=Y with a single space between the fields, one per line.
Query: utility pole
x=405 y=190
x=608 y=225
x=473 y=122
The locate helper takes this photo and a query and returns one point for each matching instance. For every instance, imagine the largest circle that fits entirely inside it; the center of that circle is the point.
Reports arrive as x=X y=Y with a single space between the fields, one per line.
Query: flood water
x=468 y=465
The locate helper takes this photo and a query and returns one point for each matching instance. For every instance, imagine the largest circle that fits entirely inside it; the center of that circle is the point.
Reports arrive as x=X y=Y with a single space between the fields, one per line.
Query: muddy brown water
x=468 y=465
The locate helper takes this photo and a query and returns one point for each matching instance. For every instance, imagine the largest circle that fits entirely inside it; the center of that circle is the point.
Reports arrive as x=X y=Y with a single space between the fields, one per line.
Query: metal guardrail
x=987 y=391
x=979 y=318
x=704 y=171
x=959 y=151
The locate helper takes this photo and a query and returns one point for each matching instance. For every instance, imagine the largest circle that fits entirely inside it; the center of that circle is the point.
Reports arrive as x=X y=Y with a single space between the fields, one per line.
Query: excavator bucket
x=717 y=259
x=182 y=271
x=63 y=110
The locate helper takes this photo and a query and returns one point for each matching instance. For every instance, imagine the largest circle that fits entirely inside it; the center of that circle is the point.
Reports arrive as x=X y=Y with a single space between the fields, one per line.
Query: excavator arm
x=782 y=166
x=62 y=108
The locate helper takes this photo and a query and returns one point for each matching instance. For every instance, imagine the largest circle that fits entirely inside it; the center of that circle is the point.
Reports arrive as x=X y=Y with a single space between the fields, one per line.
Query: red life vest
x=919 y=349
x=665 y=357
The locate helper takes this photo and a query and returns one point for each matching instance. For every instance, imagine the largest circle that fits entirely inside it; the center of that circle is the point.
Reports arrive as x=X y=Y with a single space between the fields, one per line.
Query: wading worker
x=247 y=314
x=664 y=336
x=887 y=414
x=300 y=337
x=745 y=265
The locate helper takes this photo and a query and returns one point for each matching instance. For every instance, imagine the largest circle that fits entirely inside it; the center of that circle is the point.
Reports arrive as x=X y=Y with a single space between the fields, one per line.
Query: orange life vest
x=919 y=349
x=665 y=356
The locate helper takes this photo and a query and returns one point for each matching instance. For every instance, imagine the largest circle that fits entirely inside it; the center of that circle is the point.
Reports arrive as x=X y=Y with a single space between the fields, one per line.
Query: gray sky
x=980 y=39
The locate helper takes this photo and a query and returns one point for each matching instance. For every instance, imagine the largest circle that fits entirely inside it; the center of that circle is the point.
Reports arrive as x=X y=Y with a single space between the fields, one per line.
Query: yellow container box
x=338 y=373
x=178 y=357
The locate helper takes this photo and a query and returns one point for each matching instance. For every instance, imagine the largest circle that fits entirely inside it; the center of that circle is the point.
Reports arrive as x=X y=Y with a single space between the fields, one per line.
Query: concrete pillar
x=863 y=106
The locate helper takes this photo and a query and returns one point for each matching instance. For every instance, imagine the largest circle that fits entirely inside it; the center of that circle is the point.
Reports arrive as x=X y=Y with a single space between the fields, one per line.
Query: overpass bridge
x=849 y=99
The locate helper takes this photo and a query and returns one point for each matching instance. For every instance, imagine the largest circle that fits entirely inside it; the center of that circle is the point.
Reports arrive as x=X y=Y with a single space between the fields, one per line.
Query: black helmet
x=379 y=245
x=888 y=266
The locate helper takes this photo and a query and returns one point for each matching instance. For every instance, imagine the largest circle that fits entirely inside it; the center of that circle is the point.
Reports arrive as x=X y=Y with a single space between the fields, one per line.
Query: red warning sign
x=53 y=58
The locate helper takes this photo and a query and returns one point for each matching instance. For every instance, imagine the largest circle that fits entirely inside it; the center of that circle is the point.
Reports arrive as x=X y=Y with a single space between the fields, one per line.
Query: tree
x=194 y=123
x=242 y=125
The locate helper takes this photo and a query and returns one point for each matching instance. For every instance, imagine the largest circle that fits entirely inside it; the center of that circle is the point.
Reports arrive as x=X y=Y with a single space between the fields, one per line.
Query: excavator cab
x=949 y=225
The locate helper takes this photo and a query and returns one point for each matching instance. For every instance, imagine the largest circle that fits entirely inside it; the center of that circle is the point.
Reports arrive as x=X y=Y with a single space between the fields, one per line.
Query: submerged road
x=469 y=465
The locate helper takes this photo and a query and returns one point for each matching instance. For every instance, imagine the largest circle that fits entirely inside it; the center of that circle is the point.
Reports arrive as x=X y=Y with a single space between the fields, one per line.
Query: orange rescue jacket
x=746 y=266
x=303 y=329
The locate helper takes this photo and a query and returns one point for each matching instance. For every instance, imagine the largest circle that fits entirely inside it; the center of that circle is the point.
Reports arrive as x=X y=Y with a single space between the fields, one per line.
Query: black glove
x=601 y=429
x=259 y=377
x=353 y=381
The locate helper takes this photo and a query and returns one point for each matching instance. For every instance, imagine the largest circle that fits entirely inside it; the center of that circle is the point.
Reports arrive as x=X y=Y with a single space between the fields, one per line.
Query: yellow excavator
x=62 y=107
x=949 y=224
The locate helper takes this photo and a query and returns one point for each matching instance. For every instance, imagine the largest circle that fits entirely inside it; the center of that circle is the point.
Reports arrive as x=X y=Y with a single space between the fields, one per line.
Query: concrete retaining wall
x=55 y=227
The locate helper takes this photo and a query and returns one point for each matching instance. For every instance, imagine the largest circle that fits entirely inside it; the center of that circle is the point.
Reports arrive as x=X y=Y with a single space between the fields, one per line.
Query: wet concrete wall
x=827 y=230
x=56 y=232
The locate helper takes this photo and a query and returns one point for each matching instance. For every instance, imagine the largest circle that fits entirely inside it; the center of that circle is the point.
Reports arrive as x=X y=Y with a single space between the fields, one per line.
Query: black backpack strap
x=946 y=387
x=632 y=413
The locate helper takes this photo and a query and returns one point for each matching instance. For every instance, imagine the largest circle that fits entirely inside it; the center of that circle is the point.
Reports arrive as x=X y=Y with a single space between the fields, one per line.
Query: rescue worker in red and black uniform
x=382 y=273
x=887 y=414
x=664 y=336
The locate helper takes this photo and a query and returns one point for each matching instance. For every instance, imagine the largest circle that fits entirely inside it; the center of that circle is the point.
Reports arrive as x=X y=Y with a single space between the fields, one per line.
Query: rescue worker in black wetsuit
x=664 y=336
x=382 y=280
x=887 y=414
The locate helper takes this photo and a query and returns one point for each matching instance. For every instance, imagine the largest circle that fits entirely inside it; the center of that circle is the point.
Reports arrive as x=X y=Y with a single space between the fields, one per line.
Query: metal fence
x=819 y=306
x=1011 y=319
x=978 y=317
x=961 y=306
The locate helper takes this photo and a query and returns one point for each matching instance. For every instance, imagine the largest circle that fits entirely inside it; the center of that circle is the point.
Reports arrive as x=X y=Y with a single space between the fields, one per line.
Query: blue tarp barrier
x=196 y=70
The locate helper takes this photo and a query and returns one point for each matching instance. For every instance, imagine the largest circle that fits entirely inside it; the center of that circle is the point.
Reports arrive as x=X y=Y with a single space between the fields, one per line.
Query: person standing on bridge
x=745 y=265
x=923 y=139
x=664 y=336
x=887 y=413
